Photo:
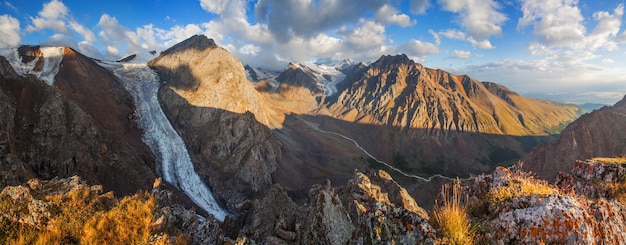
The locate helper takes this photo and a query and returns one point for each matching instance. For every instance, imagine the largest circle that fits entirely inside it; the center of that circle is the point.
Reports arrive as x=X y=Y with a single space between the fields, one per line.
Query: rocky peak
x=390 y=61
x=621 y=103
x=197 y=42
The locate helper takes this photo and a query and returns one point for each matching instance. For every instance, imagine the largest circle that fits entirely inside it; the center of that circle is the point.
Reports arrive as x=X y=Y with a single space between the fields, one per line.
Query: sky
x=571 y=51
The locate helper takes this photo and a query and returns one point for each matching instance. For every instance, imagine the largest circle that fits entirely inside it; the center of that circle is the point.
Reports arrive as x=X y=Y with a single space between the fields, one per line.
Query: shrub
x=450 y=218
x=518 y=186
x=127 y=223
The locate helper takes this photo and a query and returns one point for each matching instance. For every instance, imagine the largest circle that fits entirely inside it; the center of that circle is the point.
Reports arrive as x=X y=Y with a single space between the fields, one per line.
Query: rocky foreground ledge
x=507 y=206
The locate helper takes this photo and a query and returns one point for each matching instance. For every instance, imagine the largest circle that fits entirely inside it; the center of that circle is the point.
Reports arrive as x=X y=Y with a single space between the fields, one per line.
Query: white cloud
x=50 y=17
x=214 y=6
x=560 y=23
x=9 y=30
x=86 y=33
x=459 y=35
x=435 y=36
x=371 y=34
x=178 y=33
x=389 y=15
x=420 y=49
x=479 y=19
x=250 y=49
x=557 y=22
x=459 y=54
x=419 y=6
x=605 y=32
x=305 y=18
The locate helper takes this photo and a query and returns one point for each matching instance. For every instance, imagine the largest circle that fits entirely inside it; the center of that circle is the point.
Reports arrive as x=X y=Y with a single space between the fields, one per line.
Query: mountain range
x=222 y=133
x=296 y=127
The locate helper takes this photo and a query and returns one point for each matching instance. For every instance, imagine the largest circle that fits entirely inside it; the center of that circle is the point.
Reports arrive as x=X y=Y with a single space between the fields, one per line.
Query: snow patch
x=326 y=76
x=52 y=57
x=159 y=134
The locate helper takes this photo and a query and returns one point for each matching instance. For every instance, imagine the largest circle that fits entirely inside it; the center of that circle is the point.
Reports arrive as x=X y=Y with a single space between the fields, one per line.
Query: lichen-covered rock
x=515 y=208
x=545 y=219
x=328 y=223
x=381 y=210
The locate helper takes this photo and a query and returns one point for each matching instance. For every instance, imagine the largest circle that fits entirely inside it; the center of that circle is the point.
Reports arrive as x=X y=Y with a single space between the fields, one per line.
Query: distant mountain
x=423 y=119
x=601 y=133
x=589 y=107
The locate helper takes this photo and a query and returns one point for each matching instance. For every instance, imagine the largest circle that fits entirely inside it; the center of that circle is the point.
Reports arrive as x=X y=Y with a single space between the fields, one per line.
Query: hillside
x=600 y=133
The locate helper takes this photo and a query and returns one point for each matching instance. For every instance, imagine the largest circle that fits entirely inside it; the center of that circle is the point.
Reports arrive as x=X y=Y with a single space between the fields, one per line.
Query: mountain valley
x=311 y=153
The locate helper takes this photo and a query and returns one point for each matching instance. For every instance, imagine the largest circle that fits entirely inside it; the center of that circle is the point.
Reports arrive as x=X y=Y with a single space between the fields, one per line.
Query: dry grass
x=609 y=160
x=127 y=223
x=83 y=217
x=518 y=187
x=450 y=218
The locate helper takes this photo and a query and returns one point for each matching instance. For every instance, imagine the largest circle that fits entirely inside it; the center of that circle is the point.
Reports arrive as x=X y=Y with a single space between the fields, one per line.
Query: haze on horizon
x=565 y=50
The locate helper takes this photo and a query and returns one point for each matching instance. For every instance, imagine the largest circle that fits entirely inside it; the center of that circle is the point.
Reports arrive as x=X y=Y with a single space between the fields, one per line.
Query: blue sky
x=565 y=50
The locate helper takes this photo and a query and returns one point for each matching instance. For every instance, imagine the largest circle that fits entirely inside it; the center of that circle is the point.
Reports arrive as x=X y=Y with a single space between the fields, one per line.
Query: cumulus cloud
x=304 y=18
x=419 y=6
x=250 y=49
x=50 y=17
x=420 y=49
x=389 y=15
x=459 y=54
x=459 y=35
x=9 y=30
x=480 y=20
x=603 y=36
x=560 y=23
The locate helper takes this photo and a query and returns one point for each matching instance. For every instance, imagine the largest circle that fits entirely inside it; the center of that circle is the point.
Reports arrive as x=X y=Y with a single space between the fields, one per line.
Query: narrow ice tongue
x=143 y=83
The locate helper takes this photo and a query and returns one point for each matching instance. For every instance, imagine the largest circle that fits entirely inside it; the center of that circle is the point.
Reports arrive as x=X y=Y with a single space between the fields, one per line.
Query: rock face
x=515 y=208
x=370 y=209
x=63 y=130
x=49 y=208
x=218 y=114
x=597 y=134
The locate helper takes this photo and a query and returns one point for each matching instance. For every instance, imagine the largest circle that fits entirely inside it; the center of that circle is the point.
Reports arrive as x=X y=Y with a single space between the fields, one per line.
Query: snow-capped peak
x=325 y=75
x=52 y=57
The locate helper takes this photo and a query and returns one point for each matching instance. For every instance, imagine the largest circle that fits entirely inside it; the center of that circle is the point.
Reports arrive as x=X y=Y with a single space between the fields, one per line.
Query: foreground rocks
x=369 y=209
x=514 y=208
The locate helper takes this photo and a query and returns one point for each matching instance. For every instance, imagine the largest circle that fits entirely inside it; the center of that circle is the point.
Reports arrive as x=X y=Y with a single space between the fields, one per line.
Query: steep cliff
x=76 y=119
x=219 y=115
x=597 y=134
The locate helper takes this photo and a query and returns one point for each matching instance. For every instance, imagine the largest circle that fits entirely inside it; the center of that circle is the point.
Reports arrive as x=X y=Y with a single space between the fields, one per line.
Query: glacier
x=159 y=134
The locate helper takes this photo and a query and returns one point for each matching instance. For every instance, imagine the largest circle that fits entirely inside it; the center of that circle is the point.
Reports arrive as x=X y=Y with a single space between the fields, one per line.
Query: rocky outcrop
x=370 y=209
x=62 y=211
x=513 y=207
x=208 y=100
x=597 y=134
x=62 y=130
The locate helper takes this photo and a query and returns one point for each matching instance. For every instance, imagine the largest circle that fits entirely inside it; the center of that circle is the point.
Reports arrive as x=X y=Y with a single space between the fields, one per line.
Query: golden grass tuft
x=127 y=223
x=519 y=186
x=450 y=218
x=81 y=216
x=611 y=160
